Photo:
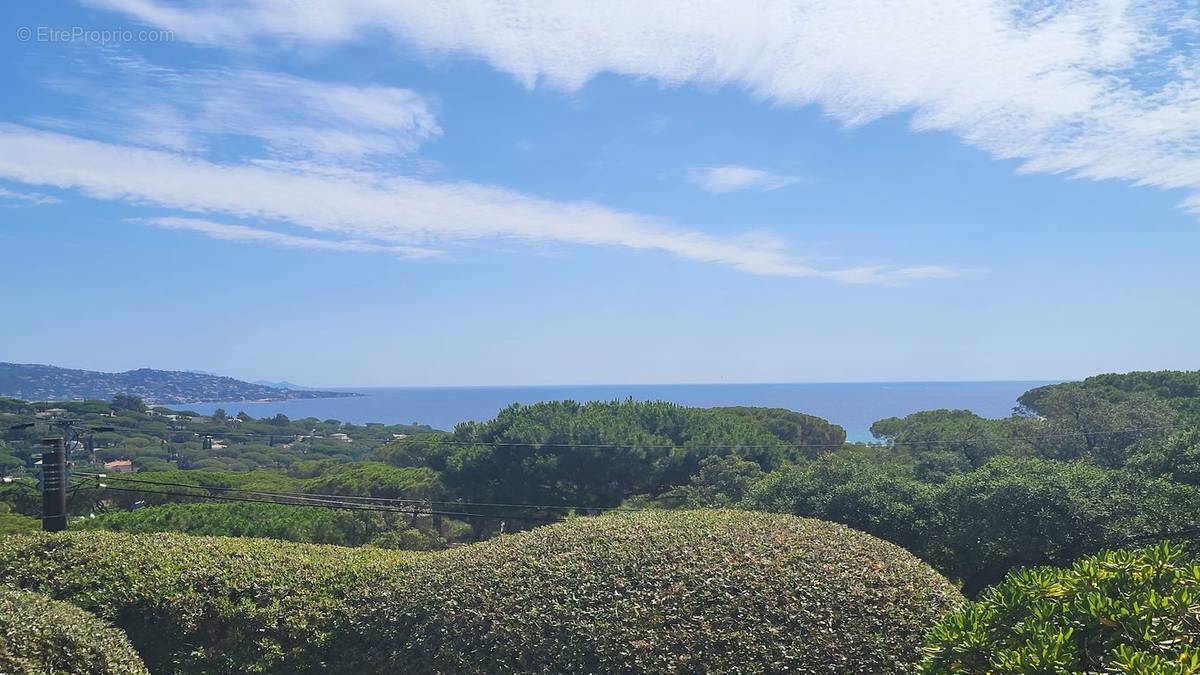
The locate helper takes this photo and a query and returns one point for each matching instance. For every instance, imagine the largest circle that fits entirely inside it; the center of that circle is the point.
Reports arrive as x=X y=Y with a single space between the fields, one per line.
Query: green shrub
x=681 y=591
x=849 y=491
x=276 y=521
x=1123 y=611
x=39 y=635
x=14 y=523
x=208 y=604
x=1023 y=513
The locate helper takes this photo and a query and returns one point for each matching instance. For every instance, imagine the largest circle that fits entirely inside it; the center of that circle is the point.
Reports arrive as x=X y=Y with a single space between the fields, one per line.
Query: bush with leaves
x=1099 y=423
x=277 y=521
x=1176 y=458
x=945 y=442
x=720 y=482
x=1022 y=513
x=658 y=592
x=813 y=435
x=1116 y=612
x=14 y=523
x=846 y=490
x=597 y=454
x=209 y=604
x=39 y=635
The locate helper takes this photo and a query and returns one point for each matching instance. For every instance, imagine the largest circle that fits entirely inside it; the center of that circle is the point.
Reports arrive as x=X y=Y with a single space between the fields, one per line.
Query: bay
x=853 y=405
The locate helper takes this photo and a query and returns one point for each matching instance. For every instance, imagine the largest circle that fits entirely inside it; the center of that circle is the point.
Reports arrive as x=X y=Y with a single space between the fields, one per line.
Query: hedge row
x=683 y=591
x=39 y=636
x=207 y=604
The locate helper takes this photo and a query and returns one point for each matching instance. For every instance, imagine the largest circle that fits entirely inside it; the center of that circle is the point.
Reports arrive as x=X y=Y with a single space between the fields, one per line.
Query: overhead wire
x=342 y=506
x=360 y=498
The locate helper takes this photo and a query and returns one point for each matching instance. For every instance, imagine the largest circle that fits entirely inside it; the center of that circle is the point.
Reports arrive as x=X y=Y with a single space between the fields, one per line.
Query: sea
x=853 y=405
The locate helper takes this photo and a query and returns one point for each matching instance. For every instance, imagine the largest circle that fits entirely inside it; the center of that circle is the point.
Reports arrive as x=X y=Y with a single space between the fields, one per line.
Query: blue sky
x=358 y=194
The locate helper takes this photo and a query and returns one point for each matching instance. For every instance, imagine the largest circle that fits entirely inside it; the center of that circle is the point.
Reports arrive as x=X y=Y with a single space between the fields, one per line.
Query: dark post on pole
x=54 y=486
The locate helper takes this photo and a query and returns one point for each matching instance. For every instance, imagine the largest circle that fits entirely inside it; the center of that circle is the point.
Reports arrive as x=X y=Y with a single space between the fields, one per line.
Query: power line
x=342 y=498
x=342 y=506
x=28 y=486
x=314 y=500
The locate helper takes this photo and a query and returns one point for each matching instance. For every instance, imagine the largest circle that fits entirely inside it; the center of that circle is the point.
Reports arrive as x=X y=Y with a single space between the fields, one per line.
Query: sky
x=367 y=193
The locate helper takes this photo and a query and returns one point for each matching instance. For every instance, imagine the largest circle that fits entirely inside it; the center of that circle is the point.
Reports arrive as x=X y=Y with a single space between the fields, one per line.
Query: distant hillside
x=283 y=384
x=34 y=382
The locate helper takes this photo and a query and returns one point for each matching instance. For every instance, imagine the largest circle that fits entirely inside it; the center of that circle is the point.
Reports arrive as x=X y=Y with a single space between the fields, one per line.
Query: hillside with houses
x=35 y=382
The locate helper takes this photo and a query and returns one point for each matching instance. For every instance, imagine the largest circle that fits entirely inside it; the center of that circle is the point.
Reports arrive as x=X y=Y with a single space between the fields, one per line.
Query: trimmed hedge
x=208 y=604
x=684 y=591
x=1117 y=612
x=39 y=635
x=679 y=591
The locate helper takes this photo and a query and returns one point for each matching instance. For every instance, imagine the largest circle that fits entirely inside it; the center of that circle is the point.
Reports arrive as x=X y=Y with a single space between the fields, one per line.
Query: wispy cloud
x=27 y=198
x=1092 y=89
x=731 y=177
x=243 y=233
x=365 y=207
x=292 y=117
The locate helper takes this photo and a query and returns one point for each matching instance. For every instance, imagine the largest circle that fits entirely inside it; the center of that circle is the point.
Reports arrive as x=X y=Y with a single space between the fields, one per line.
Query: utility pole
x=54 y=486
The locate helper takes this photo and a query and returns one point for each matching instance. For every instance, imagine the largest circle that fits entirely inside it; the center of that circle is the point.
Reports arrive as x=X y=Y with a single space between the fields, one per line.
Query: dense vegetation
x=1125 y=611
x=694 y=592
x=159 y=439
x=1179 y=389
x=976 y=526
x=596 y=454
x=49 y=383
x=278 y=521
x=209 y=605
x=39 y=635
x=1111 y=462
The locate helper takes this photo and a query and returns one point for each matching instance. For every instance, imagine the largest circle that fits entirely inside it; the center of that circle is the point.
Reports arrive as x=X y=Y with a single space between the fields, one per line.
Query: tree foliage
x=976 y=526
x=1017 y=513
x=277 y=521
x=1116 y=612
x=596 y=454
x=1176 y=458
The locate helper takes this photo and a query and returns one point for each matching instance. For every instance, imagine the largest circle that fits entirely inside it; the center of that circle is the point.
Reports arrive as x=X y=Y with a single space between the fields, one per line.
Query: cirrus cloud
x=1098 y=89
x=377 y=209
x=732 y=177
x=242 y=233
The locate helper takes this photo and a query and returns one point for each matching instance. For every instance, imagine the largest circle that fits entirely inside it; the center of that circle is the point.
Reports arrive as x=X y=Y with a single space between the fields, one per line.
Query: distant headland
x=36 y=382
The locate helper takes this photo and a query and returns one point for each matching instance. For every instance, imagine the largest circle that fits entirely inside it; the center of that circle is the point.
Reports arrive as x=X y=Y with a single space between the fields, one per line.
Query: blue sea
x=852 y=405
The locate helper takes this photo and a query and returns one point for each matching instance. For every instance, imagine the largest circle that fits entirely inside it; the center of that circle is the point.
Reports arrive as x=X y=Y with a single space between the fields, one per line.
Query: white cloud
x=367 y=207
x=28 y=198
x=722 y=179
x=293 y=117
x=249 y=234
x=1092 y=88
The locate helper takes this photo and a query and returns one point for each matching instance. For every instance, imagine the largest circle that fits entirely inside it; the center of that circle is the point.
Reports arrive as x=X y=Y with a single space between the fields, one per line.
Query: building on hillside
x=344 y=438
x=119 y=466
